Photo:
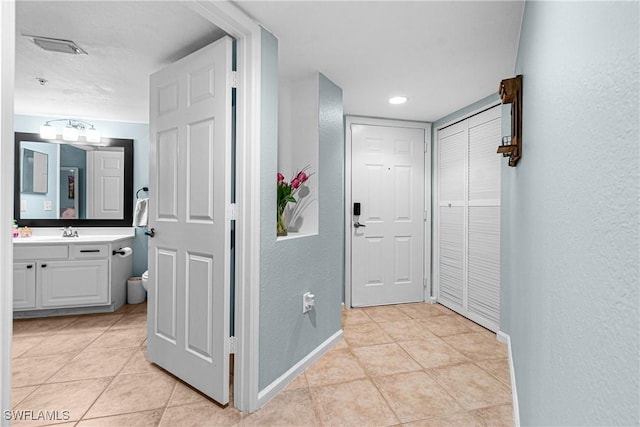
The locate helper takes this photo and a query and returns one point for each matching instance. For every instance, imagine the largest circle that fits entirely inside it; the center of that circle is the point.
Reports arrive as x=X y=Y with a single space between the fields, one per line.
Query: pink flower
x=295 y=183
x=302 y=177
x=280 y=177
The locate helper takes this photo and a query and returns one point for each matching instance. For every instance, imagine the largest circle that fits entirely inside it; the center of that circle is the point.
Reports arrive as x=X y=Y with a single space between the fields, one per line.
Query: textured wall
x=139 y=132
x=570 y=249
x=288 y=268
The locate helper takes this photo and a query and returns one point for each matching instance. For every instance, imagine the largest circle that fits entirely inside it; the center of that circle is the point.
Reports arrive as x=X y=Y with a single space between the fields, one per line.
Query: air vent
x=57 y=45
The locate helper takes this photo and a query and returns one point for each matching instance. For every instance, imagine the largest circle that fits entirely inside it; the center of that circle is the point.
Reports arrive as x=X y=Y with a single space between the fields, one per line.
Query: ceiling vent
x=57 y=45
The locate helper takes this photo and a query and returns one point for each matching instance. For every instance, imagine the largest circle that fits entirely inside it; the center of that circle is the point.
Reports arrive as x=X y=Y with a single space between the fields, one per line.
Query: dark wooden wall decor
x=510 y=91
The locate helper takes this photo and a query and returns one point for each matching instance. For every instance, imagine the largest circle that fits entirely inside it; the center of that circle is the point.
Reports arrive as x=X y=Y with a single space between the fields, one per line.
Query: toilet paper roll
x=124 y=252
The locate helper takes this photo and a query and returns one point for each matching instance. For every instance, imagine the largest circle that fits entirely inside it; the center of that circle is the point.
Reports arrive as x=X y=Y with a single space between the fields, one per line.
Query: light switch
x=47 y=205
x=23 y=205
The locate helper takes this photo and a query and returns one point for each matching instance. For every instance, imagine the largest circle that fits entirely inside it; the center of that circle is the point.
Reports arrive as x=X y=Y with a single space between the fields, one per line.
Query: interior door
x=106 y=184
x=189 y=257
x=387 y=236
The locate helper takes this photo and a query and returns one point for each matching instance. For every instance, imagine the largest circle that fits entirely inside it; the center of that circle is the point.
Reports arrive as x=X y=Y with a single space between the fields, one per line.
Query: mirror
x=73 y=183
x=35 y=171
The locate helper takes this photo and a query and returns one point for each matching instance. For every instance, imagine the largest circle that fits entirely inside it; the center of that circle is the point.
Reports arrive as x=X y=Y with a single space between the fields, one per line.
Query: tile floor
x=411 y=364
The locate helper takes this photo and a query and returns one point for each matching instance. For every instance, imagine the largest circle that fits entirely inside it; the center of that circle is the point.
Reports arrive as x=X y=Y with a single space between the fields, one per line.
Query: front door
x=387 y=237
x=189 y=257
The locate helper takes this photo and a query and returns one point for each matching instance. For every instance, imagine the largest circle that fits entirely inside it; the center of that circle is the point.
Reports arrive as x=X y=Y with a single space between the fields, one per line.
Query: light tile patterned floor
x=410 y=364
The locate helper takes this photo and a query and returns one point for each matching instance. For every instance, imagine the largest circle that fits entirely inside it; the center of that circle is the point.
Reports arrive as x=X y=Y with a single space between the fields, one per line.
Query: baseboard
x=506 y=339
x=285 y=379
x=432 y=300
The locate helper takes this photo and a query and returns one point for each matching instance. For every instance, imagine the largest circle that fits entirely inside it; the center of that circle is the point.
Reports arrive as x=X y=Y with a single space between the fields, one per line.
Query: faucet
x=69 y=232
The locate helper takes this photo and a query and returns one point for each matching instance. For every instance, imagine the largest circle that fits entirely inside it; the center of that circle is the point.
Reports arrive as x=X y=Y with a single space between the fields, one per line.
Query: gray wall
x=139 y=132
x=314 y=263
x=570 y=215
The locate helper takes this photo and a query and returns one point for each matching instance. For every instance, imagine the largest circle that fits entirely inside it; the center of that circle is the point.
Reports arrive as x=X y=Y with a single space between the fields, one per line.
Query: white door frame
x=357 y=120
x=7 y=82
x=436 y=193
x=236 y=23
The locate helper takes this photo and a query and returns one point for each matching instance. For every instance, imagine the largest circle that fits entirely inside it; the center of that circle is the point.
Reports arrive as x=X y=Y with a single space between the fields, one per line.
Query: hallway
x=411 y=364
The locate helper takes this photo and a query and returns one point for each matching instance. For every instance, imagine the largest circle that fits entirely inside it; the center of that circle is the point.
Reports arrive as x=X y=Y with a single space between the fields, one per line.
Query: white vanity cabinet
x=69 y=276
x=24 y=285
x=72 y=283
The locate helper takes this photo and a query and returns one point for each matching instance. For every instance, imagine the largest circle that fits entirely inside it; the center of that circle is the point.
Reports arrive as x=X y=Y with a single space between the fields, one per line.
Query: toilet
x=145 y=279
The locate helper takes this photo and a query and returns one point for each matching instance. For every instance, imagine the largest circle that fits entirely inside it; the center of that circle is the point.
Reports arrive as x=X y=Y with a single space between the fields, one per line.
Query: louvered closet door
x=452 y=165
x=483 y=219
x=468 y=269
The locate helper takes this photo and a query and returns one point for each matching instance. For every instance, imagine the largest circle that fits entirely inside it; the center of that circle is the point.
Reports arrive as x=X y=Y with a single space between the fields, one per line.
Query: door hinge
x=234 y=79
x=231 y=212
x=426 y=147
x=233 y=345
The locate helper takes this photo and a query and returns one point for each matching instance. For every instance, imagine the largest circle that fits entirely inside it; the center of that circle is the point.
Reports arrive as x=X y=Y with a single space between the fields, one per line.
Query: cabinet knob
x=44 y=265
x=29 y=266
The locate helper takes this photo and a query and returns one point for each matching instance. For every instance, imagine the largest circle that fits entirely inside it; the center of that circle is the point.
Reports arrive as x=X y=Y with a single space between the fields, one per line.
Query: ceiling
x=441 y=55
x=126 y=41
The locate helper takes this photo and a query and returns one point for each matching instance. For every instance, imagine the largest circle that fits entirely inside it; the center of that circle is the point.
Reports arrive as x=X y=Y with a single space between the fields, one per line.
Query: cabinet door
x=24 y=285
x=74 y=283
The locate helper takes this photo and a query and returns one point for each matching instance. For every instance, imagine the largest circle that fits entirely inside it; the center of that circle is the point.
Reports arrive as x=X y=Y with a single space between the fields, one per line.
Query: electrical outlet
x=308 y=302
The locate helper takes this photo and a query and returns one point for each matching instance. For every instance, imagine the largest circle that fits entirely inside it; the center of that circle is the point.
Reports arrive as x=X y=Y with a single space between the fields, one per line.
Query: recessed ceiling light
x=398 y=100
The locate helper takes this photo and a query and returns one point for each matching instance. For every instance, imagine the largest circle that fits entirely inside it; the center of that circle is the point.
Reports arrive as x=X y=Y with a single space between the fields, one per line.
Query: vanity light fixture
x=397 y=100
x=71 y=132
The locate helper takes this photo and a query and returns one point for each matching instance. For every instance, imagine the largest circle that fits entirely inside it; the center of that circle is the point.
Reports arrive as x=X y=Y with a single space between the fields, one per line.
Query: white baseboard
x=285 y=379
x=506 y=339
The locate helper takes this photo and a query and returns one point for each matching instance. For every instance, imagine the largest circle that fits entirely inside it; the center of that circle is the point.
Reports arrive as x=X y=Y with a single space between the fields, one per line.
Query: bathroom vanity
x=55 y=275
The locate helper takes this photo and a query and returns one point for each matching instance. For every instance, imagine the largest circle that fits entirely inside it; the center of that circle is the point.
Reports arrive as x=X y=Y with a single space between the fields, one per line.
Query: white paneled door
x=189 y=257
x=387 y=248
x=105 y=184
x=468 y=261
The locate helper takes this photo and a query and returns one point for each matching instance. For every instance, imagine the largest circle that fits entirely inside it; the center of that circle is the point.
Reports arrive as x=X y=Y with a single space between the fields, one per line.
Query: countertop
x=85 y=235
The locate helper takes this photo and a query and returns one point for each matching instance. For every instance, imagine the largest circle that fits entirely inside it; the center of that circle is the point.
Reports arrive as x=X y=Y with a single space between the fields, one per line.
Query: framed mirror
x=59 y=183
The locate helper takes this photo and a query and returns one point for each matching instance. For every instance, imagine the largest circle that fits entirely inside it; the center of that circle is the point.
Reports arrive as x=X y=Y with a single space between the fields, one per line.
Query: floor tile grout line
x=166 y=407
x=133 y=354
x=443 y=387
x=446 y=389
x=313 y=390
x=491 y=373
x=315 y=405
x=423 y=369
x=25 y=398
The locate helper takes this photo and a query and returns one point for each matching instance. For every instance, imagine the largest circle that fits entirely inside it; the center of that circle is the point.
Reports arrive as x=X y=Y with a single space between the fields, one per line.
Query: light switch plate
x=47 y=205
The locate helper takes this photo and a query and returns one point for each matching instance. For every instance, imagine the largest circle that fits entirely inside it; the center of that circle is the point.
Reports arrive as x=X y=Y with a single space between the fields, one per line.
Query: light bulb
x=70 y=133
x=92 y=135
x=47 y=131
x=398 y=100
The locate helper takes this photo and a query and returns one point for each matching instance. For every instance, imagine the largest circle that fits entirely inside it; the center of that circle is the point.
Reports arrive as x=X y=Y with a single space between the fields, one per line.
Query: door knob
x=358 y=225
